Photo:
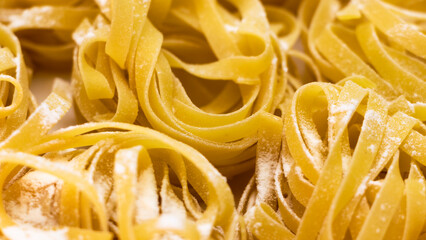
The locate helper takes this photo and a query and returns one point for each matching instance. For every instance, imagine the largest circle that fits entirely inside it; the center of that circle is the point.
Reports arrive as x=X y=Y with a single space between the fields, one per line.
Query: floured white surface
x=30 y=233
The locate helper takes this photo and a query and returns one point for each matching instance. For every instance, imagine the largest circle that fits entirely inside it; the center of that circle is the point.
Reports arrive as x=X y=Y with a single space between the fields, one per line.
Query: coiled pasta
x=201 y=73
x=15 y=97
x=379 y=40
x=179 y=101
x=351 y=166
x=133 y=180
x=44 y=28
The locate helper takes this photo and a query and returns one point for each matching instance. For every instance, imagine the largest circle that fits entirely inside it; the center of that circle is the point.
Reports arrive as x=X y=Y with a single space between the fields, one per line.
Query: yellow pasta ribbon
x=116 y=166
x=54 y=20
x=14 y=105
x=339 y=140
x=374 y=39
x=180 y=98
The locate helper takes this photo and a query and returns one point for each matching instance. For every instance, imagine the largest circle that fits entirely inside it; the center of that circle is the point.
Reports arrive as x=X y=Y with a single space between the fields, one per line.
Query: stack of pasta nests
x=322 y=103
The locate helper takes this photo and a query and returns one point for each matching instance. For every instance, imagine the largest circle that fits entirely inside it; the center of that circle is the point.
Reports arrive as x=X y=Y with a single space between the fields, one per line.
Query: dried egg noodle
x=15 y=98
x=112 y=182
x=45 y=27
x=177 y=94
x=351 y=166
x=201 y=74
x=381 y=41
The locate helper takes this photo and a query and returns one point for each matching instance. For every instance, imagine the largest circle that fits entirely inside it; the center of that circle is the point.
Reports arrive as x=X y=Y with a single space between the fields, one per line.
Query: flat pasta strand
x=212 y=119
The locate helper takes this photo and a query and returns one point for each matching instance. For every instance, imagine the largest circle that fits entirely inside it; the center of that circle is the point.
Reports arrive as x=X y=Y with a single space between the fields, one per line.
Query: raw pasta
x=350 y=166
x=45 y=27
x=201 y=74
x=109 y=176
x=15 y=97
x=176 y=100
x=375 y=39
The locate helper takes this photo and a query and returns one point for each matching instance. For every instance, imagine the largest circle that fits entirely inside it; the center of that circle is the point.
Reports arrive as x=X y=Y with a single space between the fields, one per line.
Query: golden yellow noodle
x=133 y=180
x=45 y=27
x=178 y=94
x=381 y=41
x=15 y=98
x=349 y=167
x=204 y=74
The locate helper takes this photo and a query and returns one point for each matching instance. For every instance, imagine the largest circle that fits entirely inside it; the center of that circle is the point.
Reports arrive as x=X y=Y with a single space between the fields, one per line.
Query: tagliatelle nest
x=322 y=103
